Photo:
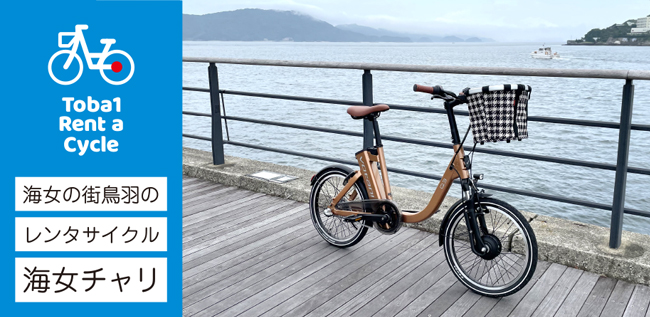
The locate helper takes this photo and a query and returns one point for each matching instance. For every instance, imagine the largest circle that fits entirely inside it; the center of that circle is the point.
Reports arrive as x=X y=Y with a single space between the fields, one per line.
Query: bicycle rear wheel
x=512 y=256
x=331 y=227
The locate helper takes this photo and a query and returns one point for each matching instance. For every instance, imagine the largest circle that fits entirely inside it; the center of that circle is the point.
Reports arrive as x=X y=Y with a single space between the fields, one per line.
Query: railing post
x=368 y=132
x=217 y=136
x=618 y=206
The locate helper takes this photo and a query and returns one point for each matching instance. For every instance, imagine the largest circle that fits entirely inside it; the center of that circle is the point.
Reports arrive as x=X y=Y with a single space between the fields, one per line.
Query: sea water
x=589 y=99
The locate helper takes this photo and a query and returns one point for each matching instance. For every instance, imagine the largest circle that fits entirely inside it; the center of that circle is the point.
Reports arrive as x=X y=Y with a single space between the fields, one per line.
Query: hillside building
x=642 y=25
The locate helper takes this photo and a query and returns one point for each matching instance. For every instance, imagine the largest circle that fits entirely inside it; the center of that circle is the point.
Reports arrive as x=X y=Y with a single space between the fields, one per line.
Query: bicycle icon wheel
x=116 y=61
x=75 y=57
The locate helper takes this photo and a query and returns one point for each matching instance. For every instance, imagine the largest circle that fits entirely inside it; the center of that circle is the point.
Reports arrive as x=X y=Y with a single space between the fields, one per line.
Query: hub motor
x=494 y=246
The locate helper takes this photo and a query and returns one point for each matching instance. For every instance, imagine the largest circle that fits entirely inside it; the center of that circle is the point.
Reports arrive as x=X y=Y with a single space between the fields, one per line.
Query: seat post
x=367 y=100
x=375 y=127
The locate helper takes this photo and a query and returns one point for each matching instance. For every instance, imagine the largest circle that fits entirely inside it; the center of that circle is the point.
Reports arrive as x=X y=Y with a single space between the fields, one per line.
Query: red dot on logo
x=116 y=67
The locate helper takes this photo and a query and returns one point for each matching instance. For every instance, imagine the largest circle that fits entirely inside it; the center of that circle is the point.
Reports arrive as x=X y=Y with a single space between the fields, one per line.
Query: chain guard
x=389 y=208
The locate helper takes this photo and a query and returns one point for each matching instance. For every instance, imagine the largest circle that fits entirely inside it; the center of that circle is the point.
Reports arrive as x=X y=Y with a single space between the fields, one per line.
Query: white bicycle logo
x=78 y=37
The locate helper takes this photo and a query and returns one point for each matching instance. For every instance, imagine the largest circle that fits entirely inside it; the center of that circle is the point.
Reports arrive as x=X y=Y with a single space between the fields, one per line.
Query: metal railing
x=624 y=126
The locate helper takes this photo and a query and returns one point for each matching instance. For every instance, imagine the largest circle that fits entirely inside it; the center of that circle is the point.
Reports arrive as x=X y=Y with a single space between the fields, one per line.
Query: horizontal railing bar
x=198 y=114
x=578 y=122
x=196 y=89
x=534 y=157
x=288 y=97
x=198 y=137
x=436 y=177
x=587 y=123
x=465 y=70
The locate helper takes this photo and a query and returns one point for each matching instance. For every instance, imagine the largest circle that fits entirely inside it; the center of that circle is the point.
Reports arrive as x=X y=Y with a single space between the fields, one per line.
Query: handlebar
x=438 y=92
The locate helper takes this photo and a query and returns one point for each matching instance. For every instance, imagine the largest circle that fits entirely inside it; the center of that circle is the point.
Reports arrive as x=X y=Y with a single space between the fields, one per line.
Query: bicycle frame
x=368 y=159
x=74 y=44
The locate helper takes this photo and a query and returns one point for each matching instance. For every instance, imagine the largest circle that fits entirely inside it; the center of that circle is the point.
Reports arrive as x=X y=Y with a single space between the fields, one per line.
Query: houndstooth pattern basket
x=498 y=113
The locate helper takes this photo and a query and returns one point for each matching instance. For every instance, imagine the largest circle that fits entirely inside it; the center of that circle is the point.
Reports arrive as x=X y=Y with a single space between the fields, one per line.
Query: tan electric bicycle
x=488 y=244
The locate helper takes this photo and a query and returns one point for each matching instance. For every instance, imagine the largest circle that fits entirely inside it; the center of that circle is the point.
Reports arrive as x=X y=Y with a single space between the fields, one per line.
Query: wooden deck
x=250 y=254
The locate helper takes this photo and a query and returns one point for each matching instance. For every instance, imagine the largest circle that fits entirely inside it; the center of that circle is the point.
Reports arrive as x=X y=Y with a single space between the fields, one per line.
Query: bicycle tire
x=329 y=226
x=455 y=254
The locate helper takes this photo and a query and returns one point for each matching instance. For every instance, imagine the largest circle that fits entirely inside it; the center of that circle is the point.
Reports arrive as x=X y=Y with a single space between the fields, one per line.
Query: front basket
x=499 y=112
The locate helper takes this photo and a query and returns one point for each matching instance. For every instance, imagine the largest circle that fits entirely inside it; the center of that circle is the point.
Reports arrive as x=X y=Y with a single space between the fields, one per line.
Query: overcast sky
x=502 y=20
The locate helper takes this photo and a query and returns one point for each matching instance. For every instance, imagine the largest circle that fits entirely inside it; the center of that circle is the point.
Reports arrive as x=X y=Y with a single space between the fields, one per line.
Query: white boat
x=544 y=53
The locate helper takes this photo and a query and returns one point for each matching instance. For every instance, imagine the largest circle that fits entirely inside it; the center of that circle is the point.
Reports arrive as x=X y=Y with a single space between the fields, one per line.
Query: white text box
x=91 y=234
x=39 y=279
x=91 y=194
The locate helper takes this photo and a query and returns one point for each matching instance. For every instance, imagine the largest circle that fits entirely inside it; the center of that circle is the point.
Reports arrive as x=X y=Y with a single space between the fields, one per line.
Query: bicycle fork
x=474 y=227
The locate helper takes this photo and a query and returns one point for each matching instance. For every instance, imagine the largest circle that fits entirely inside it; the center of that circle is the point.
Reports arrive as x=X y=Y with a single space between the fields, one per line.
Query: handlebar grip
x=435 y=90
x=427 y=89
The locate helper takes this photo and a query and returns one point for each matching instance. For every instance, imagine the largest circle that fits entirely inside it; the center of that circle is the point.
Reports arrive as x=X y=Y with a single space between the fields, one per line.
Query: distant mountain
x=473 y=39
x=270 y=25
x=452 y=39
x=415 y=37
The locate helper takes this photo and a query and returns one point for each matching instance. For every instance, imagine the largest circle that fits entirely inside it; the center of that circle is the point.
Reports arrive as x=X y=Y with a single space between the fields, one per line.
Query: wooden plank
x=224 y=224
x=329 y=299
x=212 y=256
x=250 y=209
x=598 y=297
x=189 y=187
x=558 y=293
x=459 y=306
x=419 y=304
x=448 y=298
x=197 y=219
x=335 y=271
x=237 y=269
x=196 y=281
x=420 y=251
x=508 y=304
x=484 y=305
x=190 y=180
x=425 y=271
x=225 y=194
x=207 y=188
x=239 y=249
x=295 y=216
x=528 y=304
x=208 y=200
x=638 y=305
x=334 y=261
x=212 y=216
x=573 y=302
x=380 y=285
x=618 y=300
x=218 y=215
x=235 y=294
x=318 y=293
x=462 y=305
x=207 y=294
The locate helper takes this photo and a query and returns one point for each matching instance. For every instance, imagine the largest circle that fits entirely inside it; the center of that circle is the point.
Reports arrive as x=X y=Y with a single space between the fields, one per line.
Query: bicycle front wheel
x=512 y=249
x=121 y=67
